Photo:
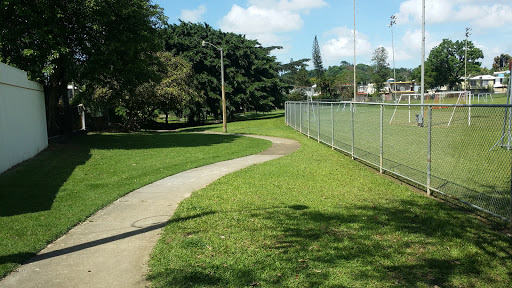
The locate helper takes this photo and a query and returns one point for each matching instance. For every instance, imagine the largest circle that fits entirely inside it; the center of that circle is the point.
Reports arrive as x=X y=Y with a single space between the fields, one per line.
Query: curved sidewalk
x=112 y=248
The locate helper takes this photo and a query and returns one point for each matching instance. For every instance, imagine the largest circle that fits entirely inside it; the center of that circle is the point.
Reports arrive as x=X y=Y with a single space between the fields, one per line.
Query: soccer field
x=463 y=164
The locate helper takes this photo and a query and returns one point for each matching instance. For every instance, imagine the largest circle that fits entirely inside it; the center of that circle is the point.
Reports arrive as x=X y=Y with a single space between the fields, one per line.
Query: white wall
x=22 y=117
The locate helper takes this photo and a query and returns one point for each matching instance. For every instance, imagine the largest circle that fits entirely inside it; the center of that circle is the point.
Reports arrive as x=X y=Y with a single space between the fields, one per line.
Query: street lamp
x=393 y=22
x=224 y=125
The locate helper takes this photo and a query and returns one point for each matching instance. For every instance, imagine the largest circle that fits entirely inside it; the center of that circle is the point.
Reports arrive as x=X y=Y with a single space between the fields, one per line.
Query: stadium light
x=355 y=88
x=468 y=32
x=422 y=55
x=224 y=124
x=393 y=22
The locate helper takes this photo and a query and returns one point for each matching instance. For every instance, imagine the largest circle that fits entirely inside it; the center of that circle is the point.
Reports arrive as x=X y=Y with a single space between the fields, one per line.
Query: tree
x=177 y=87
x=381 y=69
x=344 y=84
x=289 y=70
x=317 y=59
x=447 y=60
x=364 y=73
x=501 y=62
x=99 y=43
x=429 y=79
x=252 y=79
x=302 y=78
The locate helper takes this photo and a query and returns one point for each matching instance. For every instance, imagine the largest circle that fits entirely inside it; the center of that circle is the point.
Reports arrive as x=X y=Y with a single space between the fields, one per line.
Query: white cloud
x=266 y=20
x=483 y=13
x=260 y=20
x=341 y=46
x=193 y=16
x=411 y=41
x=303 y=6
x=409 y=46
x=486 y=16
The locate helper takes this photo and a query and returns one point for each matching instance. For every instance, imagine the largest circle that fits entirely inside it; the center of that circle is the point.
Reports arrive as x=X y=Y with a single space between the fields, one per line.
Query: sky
x=293 y=24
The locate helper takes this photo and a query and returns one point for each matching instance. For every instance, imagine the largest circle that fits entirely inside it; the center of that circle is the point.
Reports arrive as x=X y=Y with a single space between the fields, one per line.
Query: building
x=481 y=82
x=499 y=81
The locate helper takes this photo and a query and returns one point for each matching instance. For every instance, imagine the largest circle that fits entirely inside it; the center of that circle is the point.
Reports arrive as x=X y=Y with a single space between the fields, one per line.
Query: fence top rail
x=397 y=104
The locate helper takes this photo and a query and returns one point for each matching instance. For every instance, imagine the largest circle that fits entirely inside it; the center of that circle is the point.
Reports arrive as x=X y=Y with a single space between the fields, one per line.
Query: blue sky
x=294 y=23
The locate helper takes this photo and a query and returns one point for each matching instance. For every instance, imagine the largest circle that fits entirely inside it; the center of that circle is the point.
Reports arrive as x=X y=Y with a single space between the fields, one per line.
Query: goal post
x=447 y=101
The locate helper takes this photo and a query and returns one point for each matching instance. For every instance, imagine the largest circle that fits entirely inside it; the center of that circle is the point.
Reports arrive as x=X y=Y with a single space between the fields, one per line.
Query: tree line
x=447 y=65
x=128 y=62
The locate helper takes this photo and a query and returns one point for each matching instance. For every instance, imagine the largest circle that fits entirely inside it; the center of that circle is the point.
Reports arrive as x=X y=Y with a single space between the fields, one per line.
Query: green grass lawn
x=316 y=218
x=453 y=98
x=463 y=163
x=42 y=198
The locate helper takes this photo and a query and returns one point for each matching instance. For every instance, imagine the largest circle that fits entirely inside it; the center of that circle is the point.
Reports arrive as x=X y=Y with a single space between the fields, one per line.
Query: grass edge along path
x=43 y=197
x=316 y=218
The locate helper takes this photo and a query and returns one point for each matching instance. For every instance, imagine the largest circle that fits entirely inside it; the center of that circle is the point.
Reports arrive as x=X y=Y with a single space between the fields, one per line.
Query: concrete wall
x=22 y=117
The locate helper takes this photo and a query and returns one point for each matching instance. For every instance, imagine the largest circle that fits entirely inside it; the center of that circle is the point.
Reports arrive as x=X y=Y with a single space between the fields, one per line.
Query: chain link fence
x=463 y=151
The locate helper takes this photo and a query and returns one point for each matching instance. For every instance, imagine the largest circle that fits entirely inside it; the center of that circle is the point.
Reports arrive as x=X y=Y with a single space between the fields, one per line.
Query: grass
x=42 y=198
x=452 y=99
x=463 y=163
x=316 y=218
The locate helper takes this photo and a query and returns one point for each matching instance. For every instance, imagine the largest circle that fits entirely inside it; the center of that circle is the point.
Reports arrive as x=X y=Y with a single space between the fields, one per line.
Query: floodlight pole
x=468 y=32
x=422 y=53
x=355 y=87
x=393 y=21
x=224 y=123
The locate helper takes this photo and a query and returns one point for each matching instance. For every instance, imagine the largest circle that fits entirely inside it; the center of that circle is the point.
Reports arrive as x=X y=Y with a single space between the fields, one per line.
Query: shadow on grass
x=372 y=234
x=259 y=116
x=405 y=245
x=32 y=186
x=239 y=118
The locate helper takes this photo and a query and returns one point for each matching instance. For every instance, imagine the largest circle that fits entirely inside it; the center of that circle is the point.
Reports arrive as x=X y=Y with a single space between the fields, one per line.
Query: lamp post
x=224 y=125
x=393 y=22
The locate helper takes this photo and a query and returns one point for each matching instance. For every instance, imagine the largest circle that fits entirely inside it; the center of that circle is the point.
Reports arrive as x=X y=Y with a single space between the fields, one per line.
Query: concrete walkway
x=112 y=248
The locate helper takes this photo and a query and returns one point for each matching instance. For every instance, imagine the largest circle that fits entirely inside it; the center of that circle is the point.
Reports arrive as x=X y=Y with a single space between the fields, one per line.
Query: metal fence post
x=381 y=137
x=429 y=150
x=309 y=118
x=285 y=113
x=295 y=114
x=300 y=111
x=352 y=107
x=332 y=128
x=318 y=121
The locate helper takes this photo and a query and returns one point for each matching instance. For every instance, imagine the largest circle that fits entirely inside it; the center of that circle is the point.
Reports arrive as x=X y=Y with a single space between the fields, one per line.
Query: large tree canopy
x=445 y=63
x=501 y=62
x=251 y=74
x=98 y=42
x=380 y=65
x=294 y=72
